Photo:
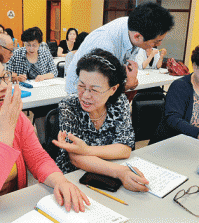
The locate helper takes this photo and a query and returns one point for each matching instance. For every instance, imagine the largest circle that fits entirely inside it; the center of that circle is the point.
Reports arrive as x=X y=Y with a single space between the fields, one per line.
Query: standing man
x=146 y=27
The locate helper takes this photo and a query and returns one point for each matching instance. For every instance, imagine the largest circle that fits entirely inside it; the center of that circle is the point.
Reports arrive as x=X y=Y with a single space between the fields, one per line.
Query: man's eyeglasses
x=192 y=190
x=11 y=51
x=82 y=88
x=7 y=77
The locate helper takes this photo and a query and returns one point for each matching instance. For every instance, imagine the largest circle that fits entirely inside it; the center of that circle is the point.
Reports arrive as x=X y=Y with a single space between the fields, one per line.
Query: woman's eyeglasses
x=192 y=190
x=82 y=88
x=7 y=77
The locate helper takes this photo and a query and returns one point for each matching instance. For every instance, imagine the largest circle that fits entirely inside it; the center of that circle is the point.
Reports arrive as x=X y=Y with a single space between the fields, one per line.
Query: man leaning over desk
x=146 y=27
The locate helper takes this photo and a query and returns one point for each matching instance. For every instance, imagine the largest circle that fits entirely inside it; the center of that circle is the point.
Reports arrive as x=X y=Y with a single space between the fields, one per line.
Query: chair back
x=60 y=68
x=147 y=111
x=52 y=44
x=51 y=132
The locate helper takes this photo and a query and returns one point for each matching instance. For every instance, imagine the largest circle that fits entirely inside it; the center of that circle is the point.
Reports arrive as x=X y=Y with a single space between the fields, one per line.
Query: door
x=53 y=31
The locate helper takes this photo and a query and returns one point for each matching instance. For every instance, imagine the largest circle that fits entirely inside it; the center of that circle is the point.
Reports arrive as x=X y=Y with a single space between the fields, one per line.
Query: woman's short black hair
x=10 y=32
x=107 y=64
x=150 y=20
x=31 y=34
x=2 y=27
x=70 y=29
x=195 y=56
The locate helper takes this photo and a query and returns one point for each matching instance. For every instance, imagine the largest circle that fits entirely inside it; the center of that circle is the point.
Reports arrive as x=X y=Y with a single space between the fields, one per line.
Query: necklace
x=95 y=120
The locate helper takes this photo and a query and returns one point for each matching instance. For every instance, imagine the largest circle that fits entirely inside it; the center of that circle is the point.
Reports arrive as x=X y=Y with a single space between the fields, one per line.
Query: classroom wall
x=15 y=23
x=192 y=40
x=97 y=11
x=35 y=15
x=75 y=14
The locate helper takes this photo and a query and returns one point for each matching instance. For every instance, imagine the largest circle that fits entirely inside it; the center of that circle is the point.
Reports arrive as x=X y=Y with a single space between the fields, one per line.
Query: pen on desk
x=108 y=195
x=46 y=215
x=135 y=172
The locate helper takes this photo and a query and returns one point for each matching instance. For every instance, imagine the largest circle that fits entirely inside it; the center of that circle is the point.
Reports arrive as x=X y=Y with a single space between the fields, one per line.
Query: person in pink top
x=20 y=148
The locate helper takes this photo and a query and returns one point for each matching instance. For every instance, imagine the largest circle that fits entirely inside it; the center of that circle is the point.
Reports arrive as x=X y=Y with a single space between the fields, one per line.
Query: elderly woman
x=32 y=62
x=68 y=45
x=181 y=108
x=96 y=123
x=20 y=149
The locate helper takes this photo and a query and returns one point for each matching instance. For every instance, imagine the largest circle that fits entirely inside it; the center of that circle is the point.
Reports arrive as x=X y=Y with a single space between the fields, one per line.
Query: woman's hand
x=131 y=72
x=154 y=52
x=78 y=146
x=163 y=52
x=68 y=194
x=22 y=77
x=132 y=181
x=39 y=78
x=9 y=114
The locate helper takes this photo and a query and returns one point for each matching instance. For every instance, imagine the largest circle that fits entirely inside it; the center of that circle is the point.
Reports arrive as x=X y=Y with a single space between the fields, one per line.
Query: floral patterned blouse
x=195 y=113
x=117 y=127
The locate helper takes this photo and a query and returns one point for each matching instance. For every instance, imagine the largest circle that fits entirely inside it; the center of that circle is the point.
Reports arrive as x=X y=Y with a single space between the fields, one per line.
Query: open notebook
x=161 y=180
x=95 y=213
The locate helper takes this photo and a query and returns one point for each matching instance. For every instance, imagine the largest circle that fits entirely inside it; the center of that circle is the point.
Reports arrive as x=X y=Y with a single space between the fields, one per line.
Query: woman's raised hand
x=9 y=114
x=78 y=146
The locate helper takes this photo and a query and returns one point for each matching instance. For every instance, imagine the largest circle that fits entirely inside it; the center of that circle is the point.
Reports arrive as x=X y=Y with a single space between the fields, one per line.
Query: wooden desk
x=180 y=154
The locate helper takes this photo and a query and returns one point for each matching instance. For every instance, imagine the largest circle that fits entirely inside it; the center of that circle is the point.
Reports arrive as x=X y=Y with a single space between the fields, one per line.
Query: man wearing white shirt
x=146 y=27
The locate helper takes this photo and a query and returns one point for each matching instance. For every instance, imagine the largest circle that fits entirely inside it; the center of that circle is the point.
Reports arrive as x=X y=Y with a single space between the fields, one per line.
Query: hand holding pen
x=132 y=181
x=136 y=172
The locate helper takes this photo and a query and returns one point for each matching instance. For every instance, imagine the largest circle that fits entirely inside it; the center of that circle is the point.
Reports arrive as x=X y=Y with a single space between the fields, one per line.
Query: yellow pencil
x=108 y=195
x=46 y=215
x=160 y=49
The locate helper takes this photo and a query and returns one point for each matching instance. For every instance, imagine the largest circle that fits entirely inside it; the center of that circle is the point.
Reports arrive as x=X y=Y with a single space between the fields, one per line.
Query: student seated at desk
x=150 y=58
x=96 y=123
x=181 y=108
x=32 y=62
x=69 y=44
x=71 y=54
x=20 y=149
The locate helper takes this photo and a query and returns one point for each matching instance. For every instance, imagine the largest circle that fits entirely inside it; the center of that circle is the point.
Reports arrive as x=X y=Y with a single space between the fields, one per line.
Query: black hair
x=115 y=71
x=70 y=29
x=2 y=27
x=81 y=37
x=31 y=34
x=195 y=56
x=150 y=20
x=10 y=32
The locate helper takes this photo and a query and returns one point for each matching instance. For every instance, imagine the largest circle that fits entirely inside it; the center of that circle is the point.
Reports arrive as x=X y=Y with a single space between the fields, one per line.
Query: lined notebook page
x=161 y=180
x=96 y=212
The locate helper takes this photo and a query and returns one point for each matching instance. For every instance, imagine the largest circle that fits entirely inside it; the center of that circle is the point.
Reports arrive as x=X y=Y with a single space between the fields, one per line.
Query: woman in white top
x=150 y=58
